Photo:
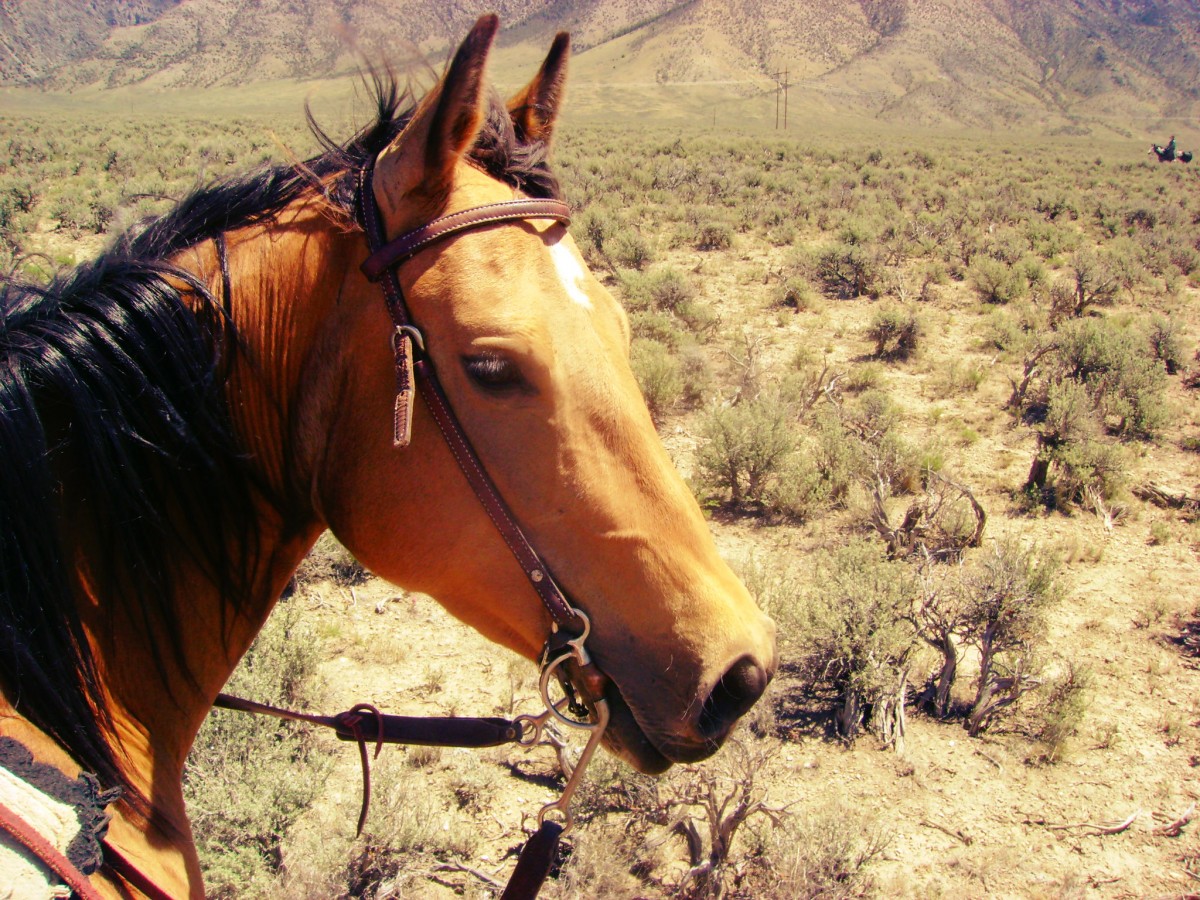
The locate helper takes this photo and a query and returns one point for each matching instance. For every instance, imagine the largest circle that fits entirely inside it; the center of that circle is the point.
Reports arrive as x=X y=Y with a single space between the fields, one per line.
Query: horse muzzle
x=632 y=736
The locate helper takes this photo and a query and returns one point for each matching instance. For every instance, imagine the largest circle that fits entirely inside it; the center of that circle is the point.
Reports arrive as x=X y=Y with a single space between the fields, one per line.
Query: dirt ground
x=965 y=817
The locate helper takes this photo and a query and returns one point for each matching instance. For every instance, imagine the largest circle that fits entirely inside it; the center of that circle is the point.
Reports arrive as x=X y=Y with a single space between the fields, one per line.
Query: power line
x=783 y=88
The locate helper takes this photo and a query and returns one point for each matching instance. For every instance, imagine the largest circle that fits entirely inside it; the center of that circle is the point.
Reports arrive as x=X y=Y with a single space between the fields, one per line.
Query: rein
x=564 y=658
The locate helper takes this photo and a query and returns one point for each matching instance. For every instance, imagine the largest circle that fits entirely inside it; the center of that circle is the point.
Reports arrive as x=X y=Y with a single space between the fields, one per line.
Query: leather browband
x=405 y=246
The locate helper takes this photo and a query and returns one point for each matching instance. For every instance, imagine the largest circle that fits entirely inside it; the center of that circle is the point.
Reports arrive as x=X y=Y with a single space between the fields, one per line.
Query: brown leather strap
x=435 y=397
x=484 y=489
x=407 y=245
x=535 y=862
x=120 y=864
x=29 y=838
x=434 y=731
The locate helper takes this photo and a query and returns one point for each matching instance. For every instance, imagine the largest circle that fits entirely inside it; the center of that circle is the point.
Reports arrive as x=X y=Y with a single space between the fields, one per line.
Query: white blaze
x=571 y=272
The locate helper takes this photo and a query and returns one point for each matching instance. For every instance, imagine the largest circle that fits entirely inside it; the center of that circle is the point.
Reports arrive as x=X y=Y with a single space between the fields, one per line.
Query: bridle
x=413 y=363
x=565 y=658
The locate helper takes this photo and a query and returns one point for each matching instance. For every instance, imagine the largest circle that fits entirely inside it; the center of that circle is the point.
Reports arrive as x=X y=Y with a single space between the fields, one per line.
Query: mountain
x=982 y=63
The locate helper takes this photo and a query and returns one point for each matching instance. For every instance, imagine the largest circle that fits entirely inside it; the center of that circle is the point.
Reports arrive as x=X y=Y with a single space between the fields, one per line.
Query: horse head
x=533 y=353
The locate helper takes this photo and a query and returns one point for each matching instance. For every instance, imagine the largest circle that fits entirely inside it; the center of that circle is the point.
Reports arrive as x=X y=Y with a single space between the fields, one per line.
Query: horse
x=1169 y=153
x=182 y=417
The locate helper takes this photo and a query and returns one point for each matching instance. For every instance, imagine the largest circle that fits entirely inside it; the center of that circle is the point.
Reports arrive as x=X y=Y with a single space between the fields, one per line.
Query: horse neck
x=283 y=280
x=273 y=273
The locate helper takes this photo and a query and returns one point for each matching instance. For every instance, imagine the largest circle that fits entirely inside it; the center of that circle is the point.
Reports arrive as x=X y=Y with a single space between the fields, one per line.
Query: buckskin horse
x=182 y=417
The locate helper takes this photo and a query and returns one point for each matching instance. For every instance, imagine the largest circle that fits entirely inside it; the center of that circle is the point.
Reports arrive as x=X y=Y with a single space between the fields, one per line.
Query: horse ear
x=535 y=108
x=443 y=128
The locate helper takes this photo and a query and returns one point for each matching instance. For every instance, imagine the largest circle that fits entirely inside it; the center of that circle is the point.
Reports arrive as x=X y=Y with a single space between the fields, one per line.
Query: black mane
x=116 y=442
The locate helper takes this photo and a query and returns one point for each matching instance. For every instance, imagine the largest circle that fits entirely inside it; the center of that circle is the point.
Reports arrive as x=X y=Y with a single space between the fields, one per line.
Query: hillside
x=977 y=63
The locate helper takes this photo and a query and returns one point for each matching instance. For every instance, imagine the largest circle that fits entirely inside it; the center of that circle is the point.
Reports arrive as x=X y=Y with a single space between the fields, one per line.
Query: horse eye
x=495 y=373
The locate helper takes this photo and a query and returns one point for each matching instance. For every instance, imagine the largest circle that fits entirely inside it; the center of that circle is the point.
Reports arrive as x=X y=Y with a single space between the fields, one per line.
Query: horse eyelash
x=494 y=372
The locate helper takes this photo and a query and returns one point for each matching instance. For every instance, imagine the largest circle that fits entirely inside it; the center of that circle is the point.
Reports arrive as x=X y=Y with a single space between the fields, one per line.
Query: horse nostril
x=735 y=693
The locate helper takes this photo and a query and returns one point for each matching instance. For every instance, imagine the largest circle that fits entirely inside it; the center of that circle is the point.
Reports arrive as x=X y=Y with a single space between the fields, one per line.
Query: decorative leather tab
x=402 y=425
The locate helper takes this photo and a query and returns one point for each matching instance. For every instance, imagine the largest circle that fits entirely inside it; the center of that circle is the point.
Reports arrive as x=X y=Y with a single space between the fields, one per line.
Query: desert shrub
x=956 y=378
x=941 y=522
x=659 y=375
x=869 y=376
x=882 y=454
x=1063 y=703
x=896 y=333
x=796 y=293
x=603 y=857
x=628 y=248
x=1007 y=592
x=857 y=640
x=837 y=456
x=1166 y=345
x=697 y=374
x=996 y=281
x=706 y=808
x=1003 y=331
x=713 y=236
x=744 y=448
x=1096 y=279
x=821 y=853
x=593 y=228
x=249 y=778
x=669 y=289
x=800 y=490
x=72 y=213
x=663 y=300
x=851 y=270
x=1072 y=465
x=658 y=326
x=1124 y=381
x=404 y=826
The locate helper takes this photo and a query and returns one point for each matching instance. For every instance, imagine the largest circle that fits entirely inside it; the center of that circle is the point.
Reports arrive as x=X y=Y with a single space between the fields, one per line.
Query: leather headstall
x=565 y=655
x=381 y=266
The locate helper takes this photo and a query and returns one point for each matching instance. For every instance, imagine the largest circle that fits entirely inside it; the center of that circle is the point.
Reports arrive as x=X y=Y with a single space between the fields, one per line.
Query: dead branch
x=1017 y=399
x=1100 y=508
x=976 y=507
x=686 y=828
x=1174 y=829
x=821 y=385
x=1166 y=499
x=989 y=758
x=958 y=835
x=474 y=873
x=923 y=525
x=749 y=366
x=1100 y=828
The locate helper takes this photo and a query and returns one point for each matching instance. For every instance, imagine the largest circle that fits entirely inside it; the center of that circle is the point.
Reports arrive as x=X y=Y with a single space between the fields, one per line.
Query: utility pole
x=783 y=89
